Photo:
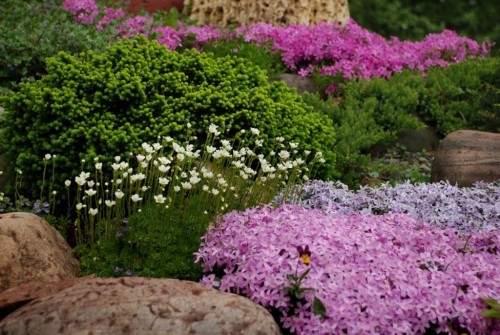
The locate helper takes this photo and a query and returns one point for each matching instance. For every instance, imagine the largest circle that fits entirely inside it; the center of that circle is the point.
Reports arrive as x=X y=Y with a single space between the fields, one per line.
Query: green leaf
x=301 y=278
x=491 y=313
x=491 y=302
x=318 y=307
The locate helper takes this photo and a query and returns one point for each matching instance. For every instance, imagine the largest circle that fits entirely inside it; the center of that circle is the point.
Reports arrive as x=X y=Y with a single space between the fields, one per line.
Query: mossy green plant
x=107 y=104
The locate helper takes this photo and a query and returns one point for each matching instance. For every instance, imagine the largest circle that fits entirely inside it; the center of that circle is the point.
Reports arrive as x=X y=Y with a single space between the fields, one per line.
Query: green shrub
x=364 y=114
x=261 y=56
x=462 y=96
x=107 y=104
x=32 y=30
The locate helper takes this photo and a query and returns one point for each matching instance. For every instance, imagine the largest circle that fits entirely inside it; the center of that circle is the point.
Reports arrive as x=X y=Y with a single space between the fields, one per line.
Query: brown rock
x=467 y=156
x=222 y=13
x=17 y=296
x=140 y=306
x=32 y=250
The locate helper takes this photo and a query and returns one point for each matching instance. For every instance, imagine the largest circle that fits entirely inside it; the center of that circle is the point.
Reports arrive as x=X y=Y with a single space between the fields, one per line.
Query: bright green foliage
x=32 y=30
x=262 y=56
x=103 y=105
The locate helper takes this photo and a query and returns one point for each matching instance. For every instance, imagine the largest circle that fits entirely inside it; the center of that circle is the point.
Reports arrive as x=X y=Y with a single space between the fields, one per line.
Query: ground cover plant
x=374 y=274
x=466 y=209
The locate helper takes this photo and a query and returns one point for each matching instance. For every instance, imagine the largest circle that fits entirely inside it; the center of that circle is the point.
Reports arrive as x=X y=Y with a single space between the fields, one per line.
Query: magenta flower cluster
x=351 y=51
x=466 y=209
x=355 y=52
x=375 y=274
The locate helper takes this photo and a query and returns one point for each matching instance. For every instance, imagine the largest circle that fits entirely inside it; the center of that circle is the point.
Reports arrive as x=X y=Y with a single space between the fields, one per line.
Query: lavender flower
x=375 y=274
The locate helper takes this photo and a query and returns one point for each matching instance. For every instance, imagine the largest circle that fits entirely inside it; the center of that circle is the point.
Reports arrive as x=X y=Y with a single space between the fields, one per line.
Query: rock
x=467 y=156
x=17 y=296
x=140 y=306
x=301 y=84
x=32 y=250
x=221 y=13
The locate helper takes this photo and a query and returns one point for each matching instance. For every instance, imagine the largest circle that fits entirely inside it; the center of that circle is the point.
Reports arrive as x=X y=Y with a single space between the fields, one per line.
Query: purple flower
x=304 y=254
x=117 y=269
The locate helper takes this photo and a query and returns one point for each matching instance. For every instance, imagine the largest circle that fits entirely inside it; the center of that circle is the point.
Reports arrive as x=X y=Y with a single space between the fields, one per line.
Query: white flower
x=136 y=177
x=213 y=129
x=322 y=160
x=144 y=165
x=163 y=168
x=243 y=175
x=119 y=194
x=93 y=211
x=144 y=188
x=98 y=166
x=125 y=174
x=263 y=179
x=47 y=157
x=293 y=145
x=109 y=203
x=149 y=157
x=168 y=139
x=180 y=157
x=188 y=125
x=305 y=178
x=177 y=188
x=284 y=154
x=91 y=183
x=226 y=144
x=118 y=181
x=117 y=159
x=237 y=164
x=115 y=166
x=319 y=154
x=258 y=143
x=184 y=175
x=79 y=206
x=255 y=131
x=205 y=188
x=67 y=182
x=187 y=185
x=148 y=148
x=163 y=181
x=135 y=198
x=157 y=146
x=140 y=158
x=123 y=165
x=90 y=192
x=160 y=199
x=280 y=139
x=215 y=191
x=194 y=180
x=164 y=160
x=210 y=149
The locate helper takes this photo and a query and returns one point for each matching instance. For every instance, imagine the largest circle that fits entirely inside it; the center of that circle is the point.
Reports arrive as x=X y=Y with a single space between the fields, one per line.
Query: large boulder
x=140 y=306
x=467 y=156
x=222 y=13
x=18 y=296
x=32 y=250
